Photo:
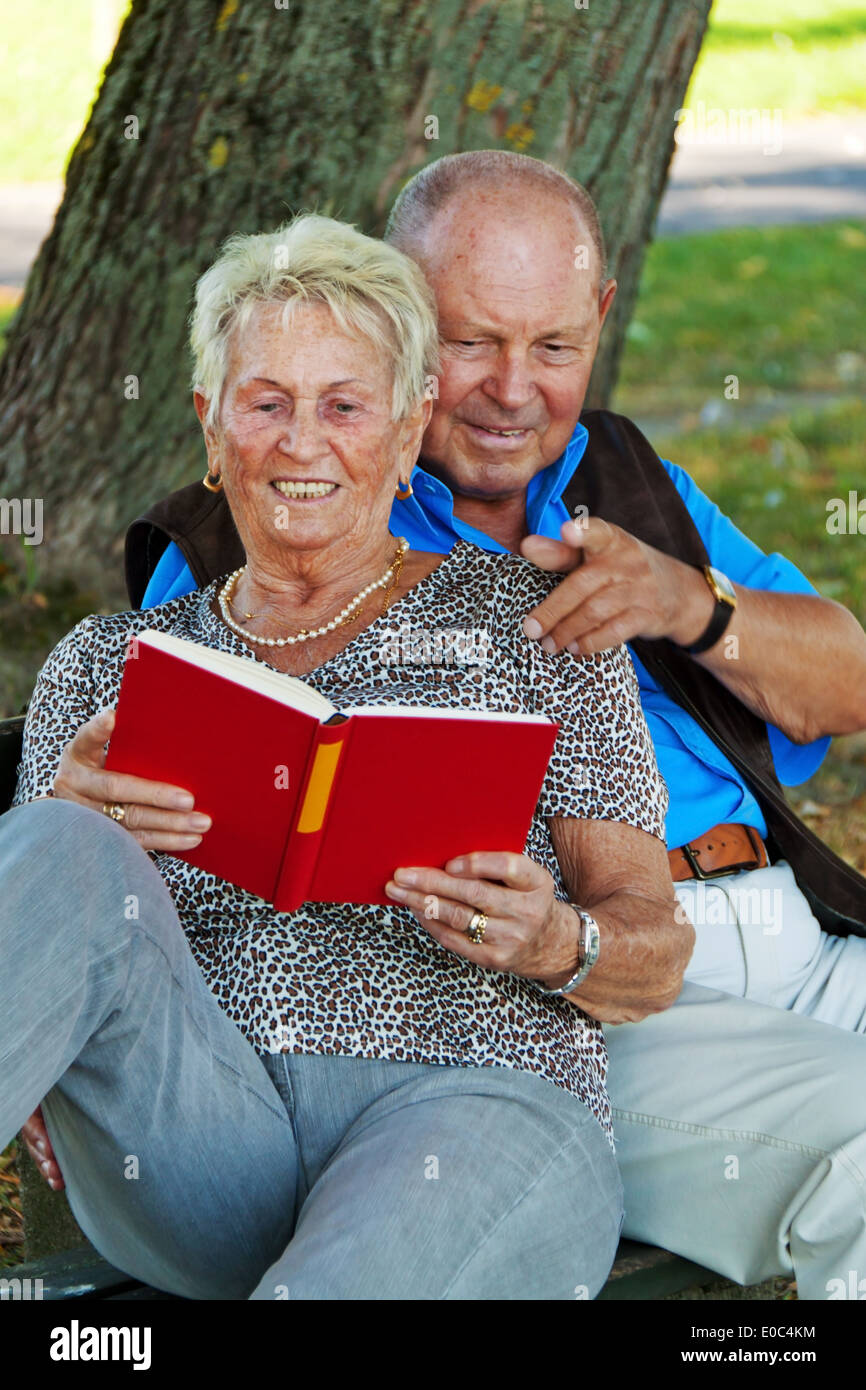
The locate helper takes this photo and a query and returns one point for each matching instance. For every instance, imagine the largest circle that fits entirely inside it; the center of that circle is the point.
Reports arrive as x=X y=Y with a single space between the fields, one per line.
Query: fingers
x=613 y=634
x=160 y=816
x=79 y=781
x=445 y=902
x=448 y=922
x=549 y=554
x=89 y=741
x=564 y=606
x=414 y=887
x=516 y=871
x=483 y=881
x=155 y=829
x=166 y=838
x=35 y=1136
x=604 y=621
x=565 y=613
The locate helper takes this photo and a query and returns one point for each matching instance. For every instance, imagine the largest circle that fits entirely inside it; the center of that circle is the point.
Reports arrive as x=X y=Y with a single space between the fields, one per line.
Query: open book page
x=252 y=675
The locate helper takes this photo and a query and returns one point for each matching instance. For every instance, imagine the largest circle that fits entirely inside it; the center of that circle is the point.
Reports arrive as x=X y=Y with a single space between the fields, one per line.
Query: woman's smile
x=304 y=489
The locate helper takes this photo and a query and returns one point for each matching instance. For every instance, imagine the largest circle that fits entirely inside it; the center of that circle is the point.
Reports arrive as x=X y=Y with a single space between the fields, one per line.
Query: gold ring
x=114 y=810
x=477 y=927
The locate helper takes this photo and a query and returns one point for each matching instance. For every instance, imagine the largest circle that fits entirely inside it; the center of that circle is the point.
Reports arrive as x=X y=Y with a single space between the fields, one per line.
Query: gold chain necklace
x=349 y=614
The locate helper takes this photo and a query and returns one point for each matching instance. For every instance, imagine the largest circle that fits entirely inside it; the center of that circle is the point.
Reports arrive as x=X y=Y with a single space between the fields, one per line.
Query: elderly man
x=740 y=1111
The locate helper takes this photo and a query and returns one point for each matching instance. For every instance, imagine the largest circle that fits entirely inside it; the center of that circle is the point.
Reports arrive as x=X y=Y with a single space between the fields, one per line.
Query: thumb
x=91 y=737
x=551 y=555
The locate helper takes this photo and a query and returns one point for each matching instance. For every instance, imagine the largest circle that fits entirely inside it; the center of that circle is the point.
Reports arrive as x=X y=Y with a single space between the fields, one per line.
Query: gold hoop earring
x=402 y=490
x=211 y=482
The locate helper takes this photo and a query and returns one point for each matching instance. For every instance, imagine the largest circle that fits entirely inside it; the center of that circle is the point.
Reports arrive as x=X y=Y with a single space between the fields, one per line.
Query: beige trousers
x=740 y=1113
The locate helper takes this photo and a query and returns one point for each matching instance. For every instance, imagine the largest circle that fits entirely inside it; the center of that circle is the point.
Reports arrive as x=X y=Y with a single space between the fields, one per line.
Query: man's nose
x=510 y=383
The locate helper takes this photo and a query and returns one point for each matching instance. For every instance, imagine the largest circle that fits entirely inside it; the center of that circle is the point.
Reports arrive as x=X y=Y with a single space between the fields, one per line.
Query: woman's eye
x=344 y=407
x=268 y=406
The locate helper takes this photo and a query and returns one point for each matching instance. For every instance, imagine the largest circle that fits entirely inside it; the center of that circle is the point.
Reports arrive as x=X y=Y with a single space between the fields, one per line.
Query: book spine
x=307 y=833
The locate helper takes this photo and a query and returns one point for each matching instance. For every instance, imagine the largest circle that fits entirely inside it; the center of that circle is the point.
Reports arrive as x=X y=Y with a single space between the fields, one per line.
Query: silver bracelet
x=587 y=953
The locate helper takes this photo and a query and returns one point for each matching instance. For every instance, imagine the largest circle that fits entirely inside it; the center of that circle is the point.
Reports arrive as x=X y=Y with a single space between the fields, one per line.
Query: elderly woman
x=344 y=1101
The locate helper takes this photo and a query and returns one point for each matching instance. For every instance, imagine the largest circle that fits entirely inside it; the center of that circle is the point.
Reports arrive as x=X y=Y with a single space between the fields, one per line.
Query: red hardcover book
x=310 y=803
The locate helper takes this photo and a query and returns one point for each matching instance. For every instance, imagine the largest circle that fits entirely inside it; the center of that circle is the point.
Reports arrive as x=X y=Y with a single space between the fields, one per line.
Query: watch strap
x=587 y=953
x=722 y=614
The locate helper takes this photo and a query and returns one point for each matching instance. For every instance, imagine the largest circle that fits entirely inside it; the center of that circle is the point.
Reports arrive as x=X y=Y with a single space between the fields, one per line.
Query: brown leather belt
x=726 y=849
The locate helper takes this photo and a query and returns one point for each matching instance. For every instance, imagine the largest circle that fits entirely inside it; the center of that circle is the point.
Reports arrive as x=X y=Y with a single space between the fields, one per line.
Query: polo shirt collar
x=429 y=513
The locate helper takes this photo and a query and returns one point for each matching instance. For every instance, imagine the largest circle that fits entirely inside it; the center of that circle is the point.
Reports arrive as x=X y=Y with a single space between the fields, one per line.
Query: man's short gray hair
x=431 y=188
x=371 y=288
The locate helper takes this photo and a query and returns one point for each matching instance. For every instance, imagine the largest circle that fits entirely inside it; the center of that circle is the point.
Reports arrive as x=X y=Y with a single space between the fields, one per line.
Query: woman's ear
x=414 y=426
x=201 y=403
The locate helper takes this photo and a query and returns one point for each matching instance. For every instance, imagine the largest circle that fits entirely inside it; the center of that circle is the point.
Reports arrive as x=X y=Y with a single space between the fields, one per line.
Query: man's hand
x=774 y=654
x=159 y=815
x=35 y=1136
x=616 y=588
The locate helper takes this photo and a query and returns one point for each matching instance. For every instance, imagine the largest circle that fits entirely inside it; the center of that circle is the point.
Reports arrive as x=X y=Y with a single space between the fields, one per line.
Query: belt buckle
x=731 y=868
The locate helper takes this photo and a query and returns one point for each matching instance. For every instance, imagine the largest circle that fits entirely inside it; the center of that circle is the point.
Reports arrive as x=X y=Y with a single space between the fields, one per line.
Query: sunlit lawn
x=780 y=308
x=800 y=56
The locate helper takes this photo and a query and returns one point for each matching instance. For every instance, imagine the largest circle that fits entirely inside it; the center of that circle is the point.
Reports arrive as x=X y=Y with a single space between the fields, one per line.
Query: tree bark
x=247 y=112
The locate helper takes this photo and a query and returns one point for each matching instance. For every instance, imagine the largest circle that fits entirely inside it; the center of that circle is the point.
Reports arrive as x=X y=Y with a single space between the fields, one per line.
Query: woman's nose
x=302 y=436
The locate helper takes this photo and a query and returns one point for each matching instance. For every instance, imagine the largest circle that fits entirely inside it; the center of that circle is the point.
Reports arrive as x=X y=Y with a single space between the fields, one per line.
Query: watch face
x=724 y=587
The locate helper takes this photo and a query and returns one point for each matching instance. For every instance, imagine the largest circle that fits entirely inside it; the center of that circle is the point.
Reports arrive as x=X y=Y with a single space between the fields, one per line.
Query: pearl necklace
x=388 y=581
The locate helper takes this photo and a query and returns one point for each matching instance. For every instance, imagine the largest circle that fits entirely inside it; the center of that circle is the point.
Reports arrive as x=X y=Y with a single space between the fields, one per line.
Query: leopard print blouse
x=370 y=981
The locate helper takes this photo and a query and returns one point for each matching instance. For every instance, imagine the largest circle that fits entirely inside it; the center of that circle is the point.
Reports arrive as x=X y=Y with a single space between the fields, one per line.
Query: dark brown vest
x=621 y=479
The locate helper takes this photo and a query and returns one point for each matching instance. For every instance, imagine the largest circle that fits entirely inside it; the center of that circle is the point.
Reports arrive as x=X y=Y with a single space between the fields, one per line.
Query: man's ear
x=605 y=302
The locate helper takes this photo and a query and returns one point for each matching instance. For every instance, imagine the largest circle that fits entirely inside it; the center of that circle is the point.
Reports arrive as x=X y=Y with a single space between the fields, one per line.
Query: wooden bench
x=640 y=1271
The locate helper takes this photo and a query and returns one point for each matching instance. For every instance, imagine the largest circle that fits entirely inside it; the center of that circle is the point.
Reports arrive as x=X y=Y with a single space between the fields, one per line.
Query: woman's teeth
x=291 y=489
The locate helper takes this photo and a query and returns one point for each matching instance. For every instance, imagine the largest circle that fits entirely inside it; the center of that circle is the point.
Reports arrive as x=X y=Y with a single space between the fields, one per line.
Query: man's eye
x=268 y=406
x=344 y=407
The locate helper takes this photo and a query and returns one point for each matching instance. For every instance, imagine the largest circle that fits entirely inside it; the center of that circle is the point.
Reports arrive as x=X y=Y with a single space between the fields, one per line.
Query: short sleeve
x=63 y=699
x=603 y=765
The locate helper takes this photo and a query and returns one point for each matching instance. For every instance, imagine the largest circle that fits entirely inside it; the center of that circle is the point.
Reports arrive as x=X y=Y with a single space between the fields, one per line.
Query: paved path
x=818 y=174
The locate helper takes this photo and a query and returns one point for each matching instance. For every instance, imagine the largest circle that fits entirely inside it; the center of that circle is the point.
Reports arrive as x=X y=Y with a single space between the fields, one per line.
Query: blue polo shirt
x=705 y=788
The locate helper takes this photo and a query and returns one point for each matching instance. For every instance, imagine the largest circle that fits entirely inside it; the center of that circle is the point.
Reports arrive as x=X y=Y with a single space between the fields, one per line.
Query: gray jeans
x=201 y=1168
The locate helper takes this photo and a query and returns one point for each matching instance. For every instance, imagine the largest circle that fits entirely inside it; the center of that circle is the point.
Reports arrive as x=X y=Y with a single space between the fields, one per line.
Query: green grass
x=774 y=481
x=801 y=56
x=52 y=54
x=782 y=308
x=8 y=304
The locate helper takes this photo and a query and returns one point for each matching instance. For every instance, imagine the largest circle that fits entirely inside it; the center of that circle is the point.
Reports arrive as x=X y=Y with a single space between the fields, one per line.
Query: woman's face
x=306 y=446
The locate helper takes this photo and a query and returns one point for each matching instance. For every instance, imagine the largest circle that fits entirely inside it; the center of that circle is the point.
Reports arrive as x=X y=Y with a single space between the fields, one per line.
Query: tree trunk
x=215 y=119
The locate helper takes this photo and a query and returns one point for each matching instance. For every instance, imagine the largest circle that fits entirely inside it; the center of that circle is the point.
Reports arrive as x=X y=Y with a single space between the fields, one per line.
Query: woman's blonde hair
x=371 y=289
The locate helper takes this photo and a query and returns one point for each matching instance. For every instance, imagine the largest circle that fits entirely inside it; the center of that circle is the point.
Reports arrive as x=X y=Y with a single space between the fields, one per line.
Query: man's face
x=519 y=326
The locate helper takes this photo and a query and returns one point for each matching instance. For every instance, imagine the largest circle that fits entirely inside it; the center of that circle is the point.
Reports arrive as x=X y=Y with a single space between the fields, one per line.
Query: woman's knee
x=63 y=864
x=50 y=825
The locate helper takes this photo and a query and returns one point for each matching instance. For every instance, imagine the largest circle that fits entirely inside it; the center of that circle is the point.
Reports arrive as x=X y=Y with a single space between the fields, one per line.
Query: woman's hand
x=160 y=816
x=528 y=931
x=35 y=1136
